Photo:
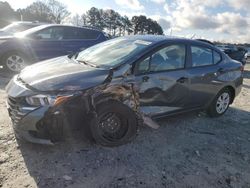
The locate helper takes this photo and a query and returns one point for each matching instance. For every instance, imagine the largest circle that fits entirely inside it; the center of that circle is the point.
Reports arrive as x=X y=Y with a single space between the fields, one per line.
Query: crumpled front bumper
x=26 y=125
x=24 y=118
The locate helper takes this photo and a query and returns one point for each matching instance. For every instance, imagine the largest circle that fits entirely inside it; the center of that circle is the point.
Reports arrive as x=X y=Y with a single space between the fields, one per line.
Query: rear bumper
x=238 y=85
x=238 y=90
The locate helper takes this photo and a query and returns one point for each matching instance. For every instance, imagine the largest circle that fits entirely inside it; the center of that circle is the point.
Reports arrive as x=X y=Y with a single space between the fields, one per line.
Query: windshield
x=112 y=52
x=16 y=27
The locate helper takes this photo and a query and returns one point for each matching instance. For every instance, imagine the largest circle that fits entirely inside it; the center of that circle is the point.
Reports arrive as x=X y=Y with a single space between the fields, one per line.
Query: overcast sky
x=223 y=20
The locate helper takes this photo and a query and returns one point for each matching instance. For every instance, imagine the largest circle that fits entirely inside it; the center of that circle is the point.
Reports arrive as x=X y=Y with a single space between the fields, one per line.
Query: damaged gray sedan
x=112 y=88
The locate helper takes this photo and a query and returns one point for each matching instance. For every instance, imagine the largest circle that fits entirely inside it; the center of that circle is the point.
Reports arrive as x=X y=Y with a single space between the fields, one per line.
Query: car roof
x=40 y=27
x=62 y=25
x=28 y=23
x=163 y=38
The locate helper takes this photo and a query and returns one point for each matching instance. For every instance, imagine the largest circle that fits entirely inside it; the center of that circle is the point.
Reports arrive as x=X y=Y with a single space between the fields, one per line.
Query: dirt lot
x=188 y=150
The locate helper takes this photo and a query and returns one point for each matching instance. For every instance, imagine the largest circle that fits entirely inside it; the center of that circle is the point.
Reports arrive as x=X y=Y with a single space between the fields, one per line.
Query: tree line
x=53 y=11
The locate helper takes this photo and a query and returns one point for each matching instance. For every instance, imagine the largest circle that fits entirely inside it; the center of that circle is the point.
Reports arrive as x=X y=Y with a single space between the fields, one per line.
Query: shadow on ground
x=187 y=150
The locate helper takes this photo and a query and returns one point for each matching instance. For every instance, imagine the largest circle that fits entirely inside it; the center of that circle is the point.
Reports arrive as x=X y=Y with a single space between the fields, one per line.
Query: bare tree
x=46 y=11
x=58 y=10
x=84 y=19
x=7 y=14
x=37 y=11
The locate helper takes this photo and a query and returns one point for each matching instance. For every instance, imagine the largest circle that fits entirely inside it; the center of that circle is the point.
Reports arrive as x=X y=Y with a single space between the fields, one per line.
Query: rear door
x=162 y=80
x=77 y=39
x=202 y=72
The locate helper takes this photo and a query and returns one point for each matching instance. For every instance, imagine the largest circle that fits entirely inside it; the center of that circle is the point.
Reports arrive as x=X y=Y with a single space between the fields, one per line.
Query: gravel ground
x=189 y=150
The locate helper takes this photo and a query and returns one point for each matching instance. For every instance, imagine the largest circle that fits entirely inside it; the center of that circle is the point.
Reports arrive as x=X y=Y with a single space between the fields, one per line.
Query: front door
x=47 y=43
x=163 y=81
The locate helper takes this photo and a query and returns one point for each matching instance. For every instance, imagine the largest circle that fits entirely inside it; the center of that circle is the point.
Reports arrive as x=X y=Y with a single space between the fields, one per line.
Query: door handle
x=182 y=80
x=145 y=78
x=69 y=52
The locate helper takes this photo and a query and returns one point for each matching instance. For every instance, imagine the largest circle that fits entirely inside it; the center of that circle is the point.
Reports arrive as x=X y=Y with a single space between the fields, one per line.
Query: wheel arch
x=232 y=91
x=3 y=55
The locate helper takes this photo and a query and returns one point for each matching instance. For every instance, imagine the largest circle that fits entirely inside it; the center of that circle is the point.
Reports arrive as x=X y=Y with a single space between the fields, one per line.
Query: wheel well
x=232 y=91
x=13 y=51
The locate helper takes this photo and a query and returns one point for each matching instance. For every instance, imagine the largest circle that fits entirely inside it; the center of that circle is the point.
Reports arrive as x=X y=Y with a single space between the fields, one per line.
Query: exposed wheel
x=14 y=62
x=220 y=104
x=116 y=124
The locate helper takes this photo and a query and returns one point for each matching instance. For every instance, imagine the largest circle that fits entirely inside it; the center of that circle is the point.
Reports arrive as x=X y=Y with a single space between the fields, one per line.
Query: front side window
x=52 y=33
x=144 y=65
x=169 y=58
x=201 y=56
x=217 y=57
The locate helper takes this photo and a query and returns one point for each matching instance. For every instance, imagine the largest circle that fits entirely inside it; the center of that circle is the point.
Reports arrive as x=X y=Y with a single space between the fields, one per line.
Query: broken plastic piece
x=149 y=122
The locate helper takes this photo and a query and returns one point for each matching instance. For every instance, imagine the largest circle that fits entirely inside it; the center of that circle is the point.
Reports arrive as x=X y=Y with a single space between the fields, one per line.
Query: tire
x=14 y=62
x=115 y=125
x=219 y=103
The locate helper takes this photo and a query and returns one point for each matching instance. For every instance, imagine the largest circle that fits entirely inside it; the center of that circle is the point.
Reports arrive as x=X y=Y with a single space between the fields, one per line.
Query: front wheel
x=116 y=124
x=220 y=104
x=14 y=62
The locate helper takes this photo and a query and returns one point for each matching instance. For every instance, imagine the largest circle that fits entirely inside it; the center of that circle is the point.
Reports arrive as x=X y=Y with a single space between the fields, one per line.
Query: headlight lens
x=41 y=100
x=47 y=100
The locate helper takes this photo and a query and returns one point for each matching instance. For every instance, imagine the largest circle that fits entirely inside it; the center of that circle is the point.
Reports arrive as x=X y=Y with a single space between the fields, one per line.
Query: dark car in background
x=16 y=27
x=45 y=42
x=235 y=52
x=113 y=87
x=248 y=52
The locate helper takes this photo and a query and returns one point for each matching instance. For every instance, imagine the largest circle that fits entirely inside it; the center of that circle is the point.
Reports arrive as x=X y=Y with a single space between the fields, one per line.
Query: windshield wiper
x=87 y=63
x=73 y=55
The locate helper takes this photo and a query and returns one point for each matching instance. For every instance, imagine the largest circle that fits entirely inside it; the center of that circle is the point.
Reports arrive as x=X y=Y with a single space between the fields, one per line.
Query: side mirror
x=123 y=71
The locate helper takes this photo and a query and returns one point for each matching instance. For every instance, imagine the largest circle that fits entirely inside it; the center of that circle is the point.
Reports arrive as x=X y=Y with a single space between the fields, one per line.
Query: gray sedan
x=112 y=88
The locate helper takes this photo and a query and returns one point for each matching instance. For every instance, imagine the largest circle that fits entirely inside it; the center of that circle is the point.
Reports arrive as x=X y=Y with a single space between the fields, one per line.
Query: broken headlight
x=47 y=100
x=41 y=100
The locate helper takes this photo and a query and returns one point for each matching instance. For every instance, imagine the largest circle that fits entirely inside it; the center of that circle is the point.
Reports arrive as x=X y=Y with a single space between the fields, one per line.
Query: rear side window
x=51 y=33
x=69 y=33
x=201 y=56
x=87 y=34
x=217 y=57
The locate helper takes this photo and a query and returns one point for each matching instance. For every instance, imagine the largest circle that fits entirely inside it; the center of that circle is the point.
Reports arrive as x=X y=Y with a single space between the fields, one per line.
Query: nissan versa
x=112 y=88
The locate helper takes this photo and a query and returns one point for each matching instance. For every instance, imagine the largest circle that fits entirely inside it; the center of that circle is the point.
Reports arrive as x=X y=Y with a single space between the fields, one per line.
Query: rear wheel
x=220 y=104
x=116 y=124
x=14 y=62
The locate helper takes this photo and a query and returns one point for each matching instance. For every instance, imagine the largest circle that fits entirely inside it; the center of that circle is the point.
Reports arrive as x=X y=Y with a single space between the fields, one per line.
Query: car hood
x=62 y=74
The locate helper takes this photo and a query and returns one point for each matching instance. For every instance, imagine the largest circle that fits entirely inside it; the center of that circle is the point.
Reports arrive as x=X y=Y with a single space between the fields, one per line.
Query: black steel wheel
x=115 y=124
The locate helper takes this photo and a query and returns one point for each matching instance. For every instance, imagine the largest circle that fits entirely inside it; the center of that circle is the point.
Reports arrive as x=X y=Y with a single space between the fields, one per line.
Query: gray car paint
x=162 y=93
x=69 y=73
